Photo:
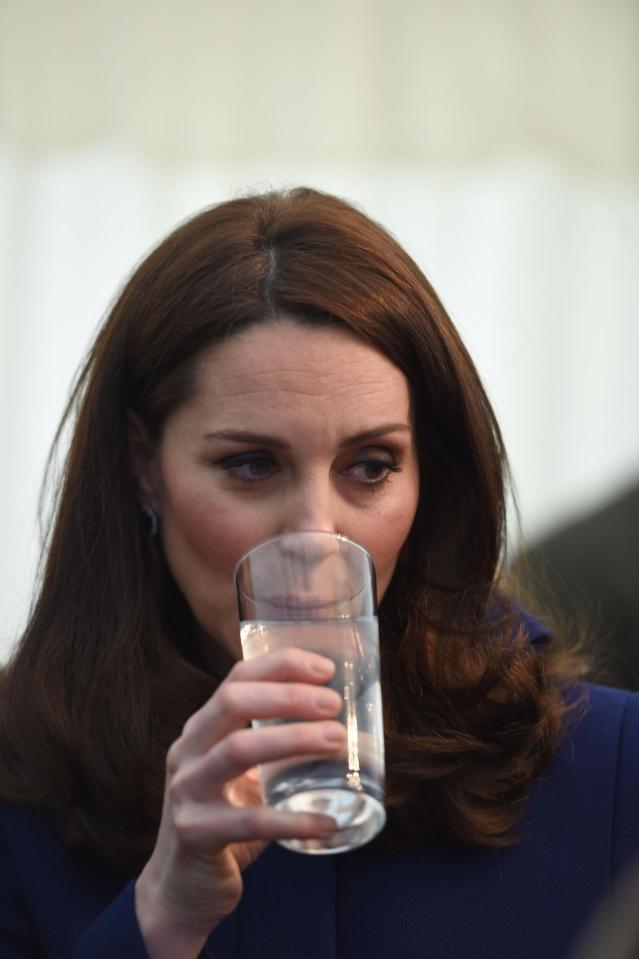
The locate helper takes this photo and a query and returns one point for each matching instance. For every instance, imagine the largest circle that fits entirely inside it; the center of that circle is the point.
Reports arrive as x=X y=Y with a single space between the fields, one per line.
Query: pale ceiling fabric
x=497 y=140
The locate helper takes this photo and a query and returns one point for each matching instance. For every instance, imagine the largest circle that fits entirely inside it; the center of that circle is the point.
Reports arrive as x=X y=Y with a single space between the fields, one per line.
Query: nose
x=310 y=551
x=311 y=507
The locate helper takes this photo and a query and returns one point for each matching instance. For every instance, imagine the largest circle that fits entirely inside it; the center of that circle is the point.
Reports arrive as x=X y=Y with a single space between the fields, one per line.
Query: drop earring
x=149 y=519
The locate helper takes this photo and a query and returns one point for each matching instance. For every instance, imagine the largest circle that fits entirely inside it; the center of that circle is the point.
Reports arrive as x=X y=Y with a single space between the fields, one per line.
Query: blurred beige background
x=498 y=139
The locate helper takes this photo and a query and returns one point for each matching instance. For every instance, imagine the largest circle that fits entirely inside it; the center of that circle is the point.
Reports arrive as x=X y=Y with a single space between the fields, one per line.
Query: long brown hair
x=100 y=684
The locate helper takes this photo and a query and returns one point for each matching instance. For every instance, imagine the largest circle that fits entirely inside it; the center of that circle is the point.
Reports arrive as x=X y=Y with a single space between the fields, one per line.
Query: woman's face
x=290 y=428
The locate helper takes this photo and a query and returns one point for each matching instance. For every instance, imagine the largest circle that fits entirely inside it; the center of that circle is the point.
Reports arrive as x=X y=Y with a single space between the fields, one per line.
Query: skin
x=304 y=394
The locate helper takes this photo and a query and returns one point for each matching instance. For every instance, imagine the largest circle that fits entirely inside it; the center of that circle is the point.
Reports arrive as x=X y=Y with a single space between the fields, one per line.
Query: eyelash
x=230 y=463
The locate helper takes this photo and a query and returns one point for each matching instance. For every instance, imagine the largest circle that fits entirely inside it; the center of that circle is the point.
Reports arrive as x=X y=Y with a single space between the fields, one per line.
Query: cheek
x=387 y=536
x=202 y=542
x=204 y=539
x=385 y=551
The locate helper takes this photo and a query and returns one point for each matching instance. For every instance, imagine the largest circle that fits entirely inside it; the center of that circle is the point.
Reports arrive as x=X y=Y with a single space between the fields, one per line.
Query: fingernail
x=334 y=733
x=323 y=667
x=326 y=826
x=326 y=699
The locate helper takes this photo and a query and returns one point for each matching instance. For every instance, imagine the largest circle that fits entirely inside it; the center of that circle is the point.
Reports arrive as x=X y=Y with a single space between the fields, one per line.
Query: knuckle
x=306 y=734
x=189 y=727
x=176 y=794
x=236 y=749
x=226 y=698
x=185 y=826
x=297 y=698
x=289 y=696
x=292 y=656
x=173 y=756
x=236 y=672
x=249 y=821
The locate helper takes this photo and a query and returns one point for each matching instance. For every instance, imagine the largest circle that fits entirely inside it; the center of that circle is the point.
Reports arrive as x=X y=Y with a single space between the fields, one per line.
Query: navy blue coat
x=530 y=900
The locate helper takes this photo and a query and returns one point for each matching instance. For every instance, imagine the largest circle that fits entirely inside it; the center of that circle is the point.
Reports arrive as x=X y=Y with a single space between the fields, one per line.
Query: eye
x=372 y=471
x=249 y=467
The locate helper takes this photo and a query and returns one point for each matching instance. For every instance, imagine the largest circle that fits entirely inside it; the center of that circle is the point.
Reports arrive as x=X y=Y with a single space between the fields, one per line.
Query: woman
x=279 y=363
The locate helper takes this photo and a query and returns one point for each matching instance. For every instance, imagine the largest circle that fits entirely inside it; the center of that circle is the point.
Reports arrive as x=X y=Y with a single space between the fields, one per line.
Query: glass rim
x=302 y=532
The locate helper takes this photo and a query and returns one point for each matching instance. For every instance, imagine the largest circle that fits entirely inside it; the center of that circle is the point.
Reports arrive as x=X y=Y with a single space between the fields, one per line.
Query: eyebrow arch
x=263 y=439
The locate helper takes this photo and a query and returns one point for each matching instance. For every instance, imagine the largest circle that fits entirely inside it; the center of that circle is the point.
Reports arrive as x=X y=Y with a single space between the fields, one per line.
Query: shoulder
x=600 y=727
x=611 y=732
x=589 y=794
x=30 y=841
x=17 y=929
x=604 y=719
x=50 y=898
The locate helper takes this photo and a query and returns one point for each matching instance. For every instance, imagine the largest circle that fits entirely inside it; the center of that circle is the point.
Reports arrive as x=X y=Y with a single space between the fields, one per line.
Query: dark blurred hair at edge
x=98 y=688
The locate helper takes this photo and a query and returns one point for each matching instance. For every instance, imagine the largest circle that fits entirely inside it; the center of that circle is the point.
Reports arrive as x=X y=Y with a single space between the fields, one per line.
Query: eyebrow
x=264 y=439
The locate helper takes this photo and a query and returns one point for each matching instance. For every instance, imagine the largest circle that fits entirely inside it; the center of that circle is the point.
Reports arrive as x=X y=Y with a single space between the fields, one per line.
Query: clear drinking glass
x=316 y=591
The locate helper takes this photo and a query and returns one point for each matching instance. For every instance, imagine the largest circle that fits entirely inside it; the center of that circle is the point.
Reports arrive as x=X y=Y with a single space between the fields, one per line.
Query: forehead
x=285 y=362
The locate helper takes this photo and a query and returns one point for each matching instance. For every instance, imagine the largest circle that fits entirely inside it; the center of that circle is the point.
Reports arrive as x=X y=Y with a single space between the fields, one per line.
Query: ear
x=142 y=458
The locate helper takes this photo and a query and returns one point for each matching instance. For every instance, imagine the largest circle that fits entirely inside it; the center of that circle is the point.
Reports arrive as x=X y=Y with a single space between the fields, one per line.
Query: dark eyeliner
x=241 y=459
x=238 y=460
x=389 y=466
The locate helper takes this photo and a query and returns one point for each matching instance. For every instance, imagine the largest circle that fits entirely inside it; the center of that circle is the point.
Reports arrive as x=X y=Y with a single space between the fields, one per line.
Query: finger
x=210 y=826
x=210 y=723
x=236 y=704
x=246 y=748
x=287 y=664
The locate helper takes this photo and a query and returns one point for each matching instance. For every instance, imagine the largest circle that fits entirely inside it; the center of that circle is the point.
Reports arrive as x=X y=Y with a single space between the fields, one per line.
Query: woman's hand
x=214 y=822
